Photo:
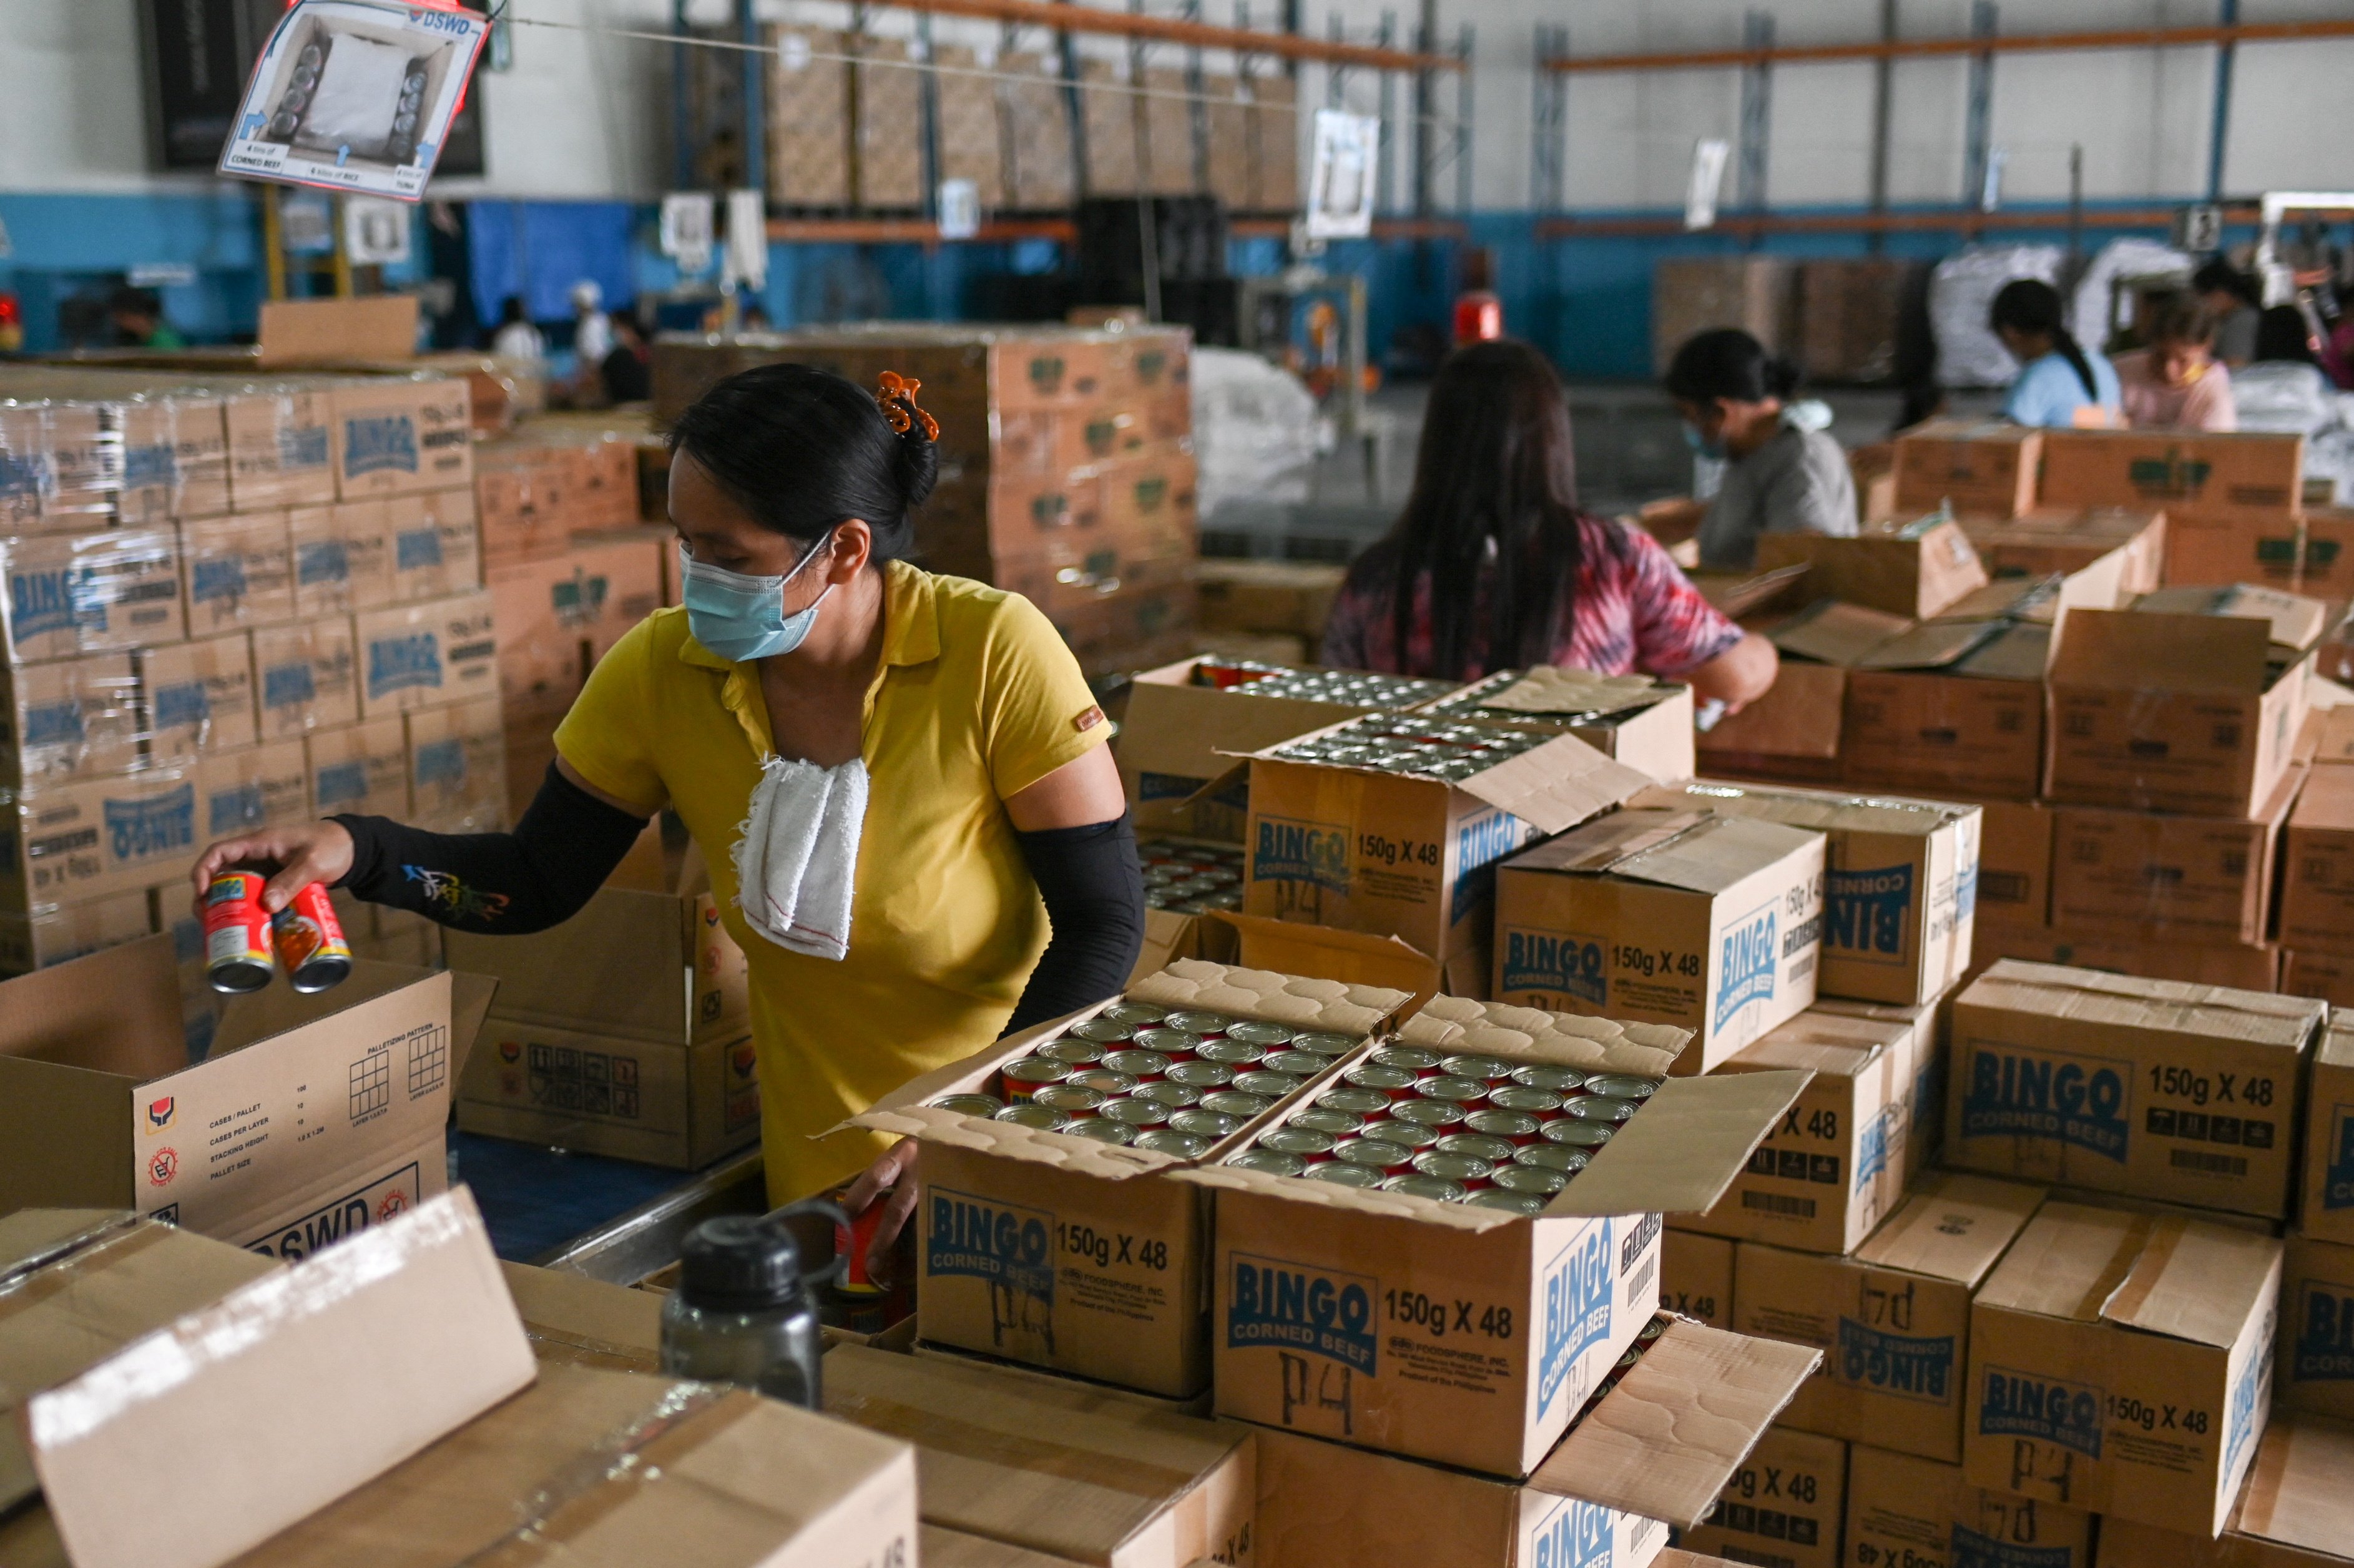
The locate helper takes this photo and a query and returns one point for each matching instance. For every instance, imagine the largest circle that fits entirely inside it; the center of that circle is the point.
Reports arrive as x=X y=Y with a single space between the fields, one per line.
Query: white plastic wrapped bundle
x=1961 y=292
x=1254 y=431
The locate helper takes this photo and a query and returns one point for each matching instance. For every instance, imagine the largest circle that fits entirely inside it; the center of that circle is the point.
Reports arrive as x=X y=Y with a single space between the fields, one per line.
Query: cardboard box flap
x=1699 y=852
x=1353 y=958
x=1552 y=690
x=1930 y=645
x=471 y=997
x=276 y=1009
x=105 y=1011
x=1300 y=1003
x=2196 y=1281
x=1735 y=594
x=1826 y=1044
x=2127 y=650
x=589 y=1321
x=2295 y=622
x=2336 y=1046
x=240 y=1419
x=2022 y=652
x=2067 y=1262
x=2096 y=996
x=1068 y=1467
x=954 y=1549
x=1698 y=1134
x=2296 y=1493
x=1233 y=777
x=1557 y=785
x=2004 y=599
x=1817 y=811
x=1449 y=1024
x=34 y=1238
x=1830 y=632
x=1952 y=1227
x=1664 y=1443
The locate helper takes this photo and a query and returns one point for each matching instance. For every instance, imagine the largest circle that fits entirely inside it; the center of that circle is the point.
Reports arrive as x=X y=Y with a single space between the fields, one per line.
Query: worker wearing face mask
x=1782 y=475
x=2177 y=382
x=899 y=780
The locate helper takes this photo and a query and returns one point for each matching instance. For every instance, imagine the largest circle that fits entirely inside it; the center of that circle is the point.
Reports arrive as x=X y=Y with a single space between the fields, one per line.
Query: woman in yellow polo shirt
x=886 y=769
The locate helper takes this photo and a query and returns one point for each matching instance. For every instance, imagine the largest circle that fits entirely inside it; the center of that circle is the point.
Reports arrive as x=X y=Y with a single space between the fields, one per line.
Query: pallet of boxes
x=1067 y=469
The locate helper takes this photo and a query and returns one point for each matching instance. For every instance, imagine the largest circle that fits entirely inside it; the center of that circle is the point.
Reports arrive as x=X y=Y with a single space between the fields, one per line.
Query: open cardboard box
x=1074 y=1255
x=1790 y=733
x=1643 y=722
x=1651 y=1453
x=1400 y=855
x=2072 y=539
x=1078 y=1474
x=303 y=1104
x=1973 y=465
x=1463 y=1335
x=1912 y=568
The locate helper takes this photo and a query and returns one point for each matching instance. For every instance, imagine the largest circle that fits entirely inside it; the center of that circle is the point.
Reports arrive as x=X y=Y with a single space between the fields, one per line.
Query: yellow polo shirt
x=976 y=698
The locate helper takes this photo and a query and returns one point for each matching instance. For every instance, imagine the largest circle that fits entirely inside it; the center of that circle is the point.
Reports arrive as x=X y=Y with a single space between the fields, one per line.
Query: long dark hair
x=1496 y=478
x=2029 y=304
x=801 y=450
x=1727 y=362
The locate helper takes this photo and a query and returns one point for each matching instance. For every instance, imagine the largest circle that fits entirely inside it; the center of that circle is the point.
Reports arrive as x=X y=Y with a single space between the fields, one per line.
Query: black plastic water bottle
x=742 y=1313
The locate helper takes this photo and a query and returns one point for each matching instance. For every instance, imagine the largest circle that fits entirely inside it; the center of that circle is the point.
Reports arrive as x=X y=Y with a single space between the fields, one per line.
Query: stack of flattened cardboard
x=808 y=118
x=1037 y=112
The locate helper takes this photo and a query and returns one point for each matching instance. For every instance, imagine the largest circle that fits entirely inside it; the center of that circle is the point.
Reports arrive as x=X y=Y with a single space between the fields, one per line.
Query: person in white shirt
x=516 y=337
x=592 y=338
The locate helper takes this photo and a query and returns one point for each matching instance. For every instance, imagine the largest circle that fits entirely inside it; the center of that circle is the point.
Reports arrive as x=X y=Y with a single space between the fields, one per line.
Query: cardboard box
x=1326 y=1317
x=1633 y=719
x=1901 y=1509
x=2327 y=1211
x=2237 y=966
x=280 y=446
x=363 y=770
x=301 y=1098
x=2316 y=896
x=1900 y=882
x=2096 y=1329
x=87 y=840
x=1915 y=568
x=647 y=958
x=2073 y=539
x=2316 y=1338
x=1984 y=466
x=2168 y=710
x=426 y=655
x=1690 y=294
x=1892 y=1320
x=1793 y=732
x=1180 y=731
x=2156 y=876
x=1018 y=1254
x=72 y=594
x=322 y=563
x=400 y=435
x=1054 y=1466
x=1287 y=597
x=2159 y=1088
x=1966 y=716
x=435 y=544
x=75 y=719
x=1399 y=855
x=1837 y=1163
x=1696 y=1277
x=675 y=1105
x=1708 y=923
x=237 y=573
x=457 y=766
x=86 y=1283
x=265 y=785
x=423 y=1294
x=197 y=698
x=1924 y=1090
x=56 y=933
x=2204 y=548
x=2014 y=867
x=2326 y=561
x=574 y=1320
x=2176 y=471
x=1784 y=1504
x=557 y=616
x=1638 y=1462
x=2325 y=977
x=307 y=677
x=2292 y=1514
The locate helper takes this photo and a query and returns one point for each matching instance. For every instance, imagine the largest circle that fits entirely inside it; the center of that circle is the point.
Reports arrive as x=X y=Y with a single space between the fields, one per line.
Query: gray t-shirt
x=1798 y=483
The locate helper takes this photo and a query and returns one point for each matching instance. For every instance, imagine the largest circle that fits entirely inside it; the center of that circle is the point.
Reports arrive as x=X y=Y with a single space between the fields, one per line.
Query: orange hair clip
x=897 y=395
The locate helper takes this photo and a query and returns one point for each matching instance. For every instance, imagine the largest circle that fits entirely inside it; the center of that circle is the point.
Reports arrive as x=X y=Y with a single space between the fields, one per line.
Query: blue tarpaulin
x=538 y=250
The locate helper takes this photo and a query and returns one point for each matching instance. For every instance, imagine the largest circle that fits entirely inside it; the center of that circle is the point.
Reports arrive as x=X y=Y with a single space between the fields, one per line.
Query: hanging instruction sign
x=350 y=95
x=1707 y=179
x=687 y=230
x=1344 y=179
x=376 y=231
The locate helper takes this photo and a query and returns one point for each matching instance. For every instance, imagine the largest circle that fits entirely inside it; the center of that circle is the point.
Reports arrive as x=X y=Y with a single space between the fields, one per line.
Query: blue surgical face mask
x=1713 y=450
x=740 y=616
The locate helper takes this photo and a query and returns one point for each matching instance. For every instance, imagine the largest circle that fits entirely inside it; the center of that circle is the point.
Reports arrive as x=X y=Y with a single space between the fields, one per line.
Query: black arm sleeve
x=539 y=876
x=1093 y=888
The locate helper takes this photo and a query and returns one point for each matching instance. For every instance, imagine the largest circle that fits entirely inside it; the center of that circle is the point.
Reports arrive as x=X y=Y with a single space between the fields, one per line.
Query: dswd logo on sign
x=1292 y=1306
x=2325 y=1333
x=1557 y=963
x=1293 y=851
x=2015 y=1403
x=1867 y=912
x=1574 y=1535
x=1908 y=1366
x=1576 y=1310
x=980 y=1238
x=345 y=1217
x=379 y=441
x=2086 y=1101
x=160 y=1113
x=1750 y=957
x=1972 y=1549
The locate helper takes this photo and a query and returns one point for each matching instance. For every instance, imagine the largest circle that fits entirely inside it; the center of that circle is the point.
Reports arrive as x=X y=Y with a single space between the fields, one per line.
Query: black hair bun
x=917 y=465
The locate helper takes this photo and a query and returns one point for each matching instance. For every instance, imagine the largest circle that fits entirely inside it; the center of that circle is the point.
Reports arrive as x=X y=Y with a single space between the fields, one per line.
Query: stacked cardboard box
x=1693 y=295
x=1066 y=464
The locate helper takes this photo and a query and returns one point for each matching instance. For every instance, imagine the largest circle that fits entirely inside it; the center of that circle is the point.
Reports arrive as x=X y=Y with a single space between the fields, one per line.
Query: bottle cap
x=741 y=1263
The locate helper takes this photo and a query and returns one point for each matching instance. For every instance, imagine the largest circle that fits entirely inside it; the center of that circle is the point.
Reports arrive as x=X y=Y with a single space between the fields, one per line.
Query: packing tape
x=582 y=1495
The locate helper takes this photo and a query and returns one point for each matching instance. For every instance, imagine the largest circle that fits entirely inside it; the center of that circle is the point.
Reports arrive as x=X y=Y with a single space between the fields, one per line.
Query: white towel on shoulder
x=797 y=854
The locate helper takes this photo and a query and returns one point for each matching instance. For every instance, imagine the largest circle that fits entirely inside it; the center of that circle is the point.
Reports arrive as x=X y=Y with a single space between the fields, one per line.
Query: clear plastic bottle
x=742 y=1312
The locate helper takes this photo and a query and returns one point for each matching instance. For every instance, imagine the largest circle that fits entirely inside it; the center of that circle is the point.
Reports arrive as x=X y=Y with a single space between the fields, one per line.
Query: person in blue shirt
x=2063 y=386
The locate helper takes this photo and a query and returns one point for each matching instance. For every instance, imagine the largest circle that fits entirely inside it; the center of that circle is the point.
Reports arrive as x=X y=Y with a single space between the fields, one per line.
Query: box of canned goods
x=1392 y=824
x=1187 y=721
x=1644 y=722
x=1047 y=1234
x=1676 y=1418
x=1443 y=1252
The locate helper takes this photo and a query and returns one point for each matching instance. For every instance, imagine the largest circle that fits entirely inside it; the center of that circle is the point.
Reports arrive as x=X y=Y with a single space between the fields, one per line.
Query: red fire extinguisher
x=1478 y=317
